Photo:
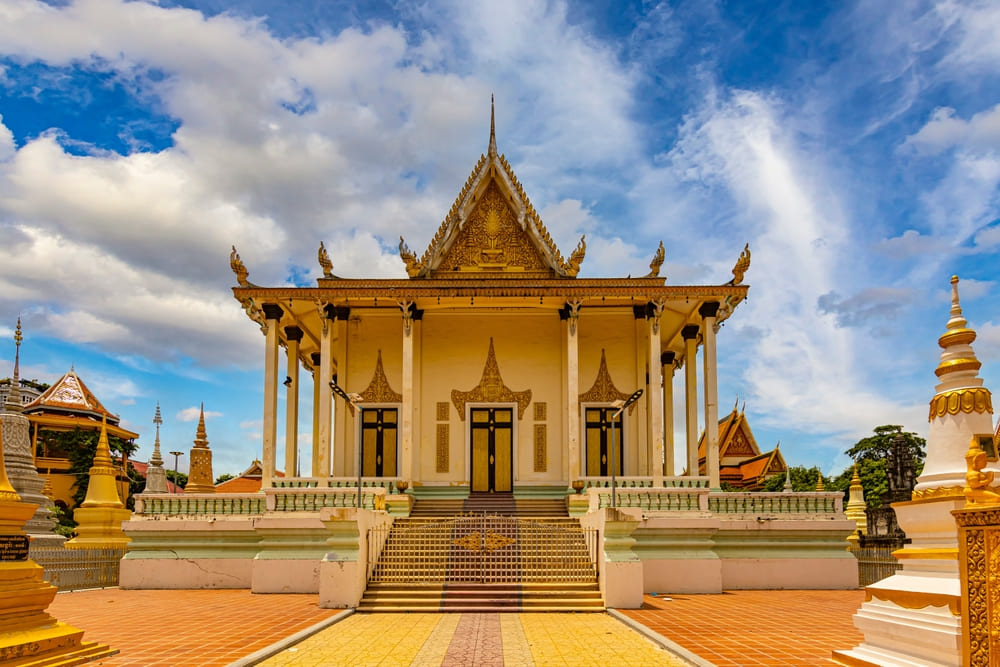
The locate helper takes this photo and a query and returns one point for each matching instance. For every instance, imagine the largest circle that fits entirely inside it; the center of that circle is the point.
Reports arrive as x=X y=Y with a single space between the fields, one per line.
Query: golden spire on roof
x=956 y=342
x=492 y=150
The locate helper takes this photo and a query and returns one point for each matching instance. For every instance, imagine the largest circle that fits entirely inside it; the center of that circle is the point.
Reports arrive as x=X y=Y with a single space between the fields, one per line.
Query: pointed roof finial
x=493 y=129
x=14 y=398
x=957 y=355
x=157 y=459
x=201 y=437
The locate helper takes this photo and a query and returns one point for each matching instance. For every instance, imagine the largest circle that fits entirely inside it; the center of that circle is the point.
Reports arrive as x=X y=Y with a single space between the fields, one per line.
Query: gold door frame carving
x=491 y=389
x=604 y=390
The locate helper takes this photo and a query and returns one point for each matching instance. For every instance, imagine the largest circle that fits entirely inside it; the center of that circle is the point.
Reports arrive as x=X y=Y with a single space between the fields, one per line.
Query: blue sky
x=855 y=146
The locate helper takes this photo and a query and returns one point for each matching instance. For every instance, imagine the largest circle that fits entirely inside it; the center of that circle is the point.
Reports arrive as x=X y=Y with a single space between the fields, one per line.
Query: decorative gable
x=493 y=230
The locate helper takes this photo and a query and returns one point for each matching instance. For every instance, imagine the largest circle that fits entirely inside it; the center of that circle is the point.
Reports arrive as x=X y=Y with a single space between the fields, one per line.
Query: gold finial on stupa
x=856 y=506
x=200 y=436
x=819 y=483
x=99 y=518
x=957 y=336
x=157 y=459
x=102 y=491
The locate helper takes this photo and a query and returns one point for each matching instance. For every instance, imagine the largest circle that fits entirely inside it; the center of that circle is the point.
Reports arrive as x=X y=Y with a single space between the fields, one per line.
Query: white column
x=573 y=469
x=293 y=335
x=322 y=464
x=406 y=418
x=272 y=315
x=655 y=400
x=344 y=459
x=708 y=312
x=690 y=335
x=667 y=365
x=317 y=380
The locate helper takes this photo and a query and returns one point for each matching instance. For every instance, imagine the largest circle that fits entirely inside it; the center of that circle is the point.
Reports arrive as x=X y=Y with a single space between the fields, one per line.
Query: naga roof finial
x=324 y=261
x=654 y=266
x=493 y=129
x=742 y=264
x=236 y=264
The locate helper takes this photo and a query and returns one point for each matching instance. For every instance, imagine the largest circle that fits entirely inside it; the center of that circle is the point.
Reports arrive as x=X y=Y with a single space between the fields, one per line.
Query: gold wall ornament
x=654 y=266
x=742 y=264
x=968 y=400
x=491 y=389
x=541 y=411
x=939 y=492
x=541 y=448
x=978 y=483
x=236 y=264
x=979 y=561
x=603 y=389
x=492 y=240
x=378 y=390
x=442 y=458
x=324 y=261
x=441 y=409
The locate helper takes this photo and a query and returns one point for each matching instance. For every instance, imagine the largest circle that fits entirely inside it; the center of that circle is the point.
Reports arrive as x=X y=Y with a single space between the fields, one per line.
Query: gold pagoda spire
x=102 y=490
x=492 y=151
x=856 y=507
x=157 y=459
x=200 y=436
x=99 y=518
x=957 y=340
x=200 y=479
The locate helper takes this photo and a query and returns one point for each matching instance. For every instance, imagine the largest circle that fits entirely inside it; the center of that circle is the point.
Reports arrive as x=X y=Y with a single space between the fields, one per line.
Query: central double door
x=492 y=449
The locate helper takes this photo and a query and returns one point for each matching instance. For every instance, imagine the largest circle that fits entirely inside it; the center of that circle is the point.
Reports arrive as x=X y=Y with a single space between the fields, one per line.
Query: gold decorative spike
x=603 y=389
x=236 y=264
x=491 y=389
x=742 y=264
x=413 y=266
x=378 y=390
x=654 y=266
x=978 y=484
x=324 y=261
x=572 y=267
x=492 y=150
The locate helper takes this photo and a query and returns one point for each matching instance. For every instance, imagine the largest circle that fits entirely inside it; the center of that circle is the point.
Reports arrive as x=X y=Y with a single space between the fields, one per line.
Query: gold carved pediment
x=492 y=240
x=378 y=390
x=604 y=389
x=491 y=389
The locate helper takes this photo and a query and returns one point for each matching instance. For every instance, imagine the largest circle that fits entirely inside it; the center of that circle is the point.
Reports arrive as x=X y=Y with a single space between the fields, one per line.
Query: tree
x=224 y=477
x=803 y=479
x=181 y=480
x=872 y=454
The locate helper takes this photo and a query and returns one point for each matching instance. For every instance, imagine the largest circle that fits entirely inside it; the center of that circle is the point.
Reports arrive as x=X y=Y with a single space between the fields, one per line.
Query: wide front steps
x=483 y=563
x=479 y=597
x=489 y=503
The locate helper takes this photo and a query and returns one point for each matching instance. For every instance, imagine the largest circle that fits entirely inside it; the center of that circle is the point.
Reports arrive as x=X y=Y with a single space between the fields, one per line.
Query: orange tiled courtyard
x=220 y=627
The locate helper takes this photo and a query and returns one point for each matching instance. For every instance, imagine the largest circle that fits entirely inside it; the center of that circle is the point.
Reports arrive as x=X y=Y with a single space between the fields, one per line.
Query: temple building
x=742 y=466
x=67 y=405
x=492 y=368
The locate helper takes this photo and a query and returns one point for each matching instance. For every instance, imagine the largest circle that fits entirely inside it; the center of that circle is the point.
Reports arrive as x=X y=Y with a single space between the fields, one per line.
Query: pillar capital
x=293 y=333
x=272 y=311
x=667 y=358
x=690 y=331
x=316 y=359
x=709 y=309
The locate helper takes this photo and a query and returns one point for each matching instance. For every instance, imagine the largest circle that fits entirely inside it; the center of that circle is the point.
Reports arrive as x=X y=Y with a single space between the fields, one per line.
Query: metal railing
x=76 y=569
x=486 y=549
x=875 y=562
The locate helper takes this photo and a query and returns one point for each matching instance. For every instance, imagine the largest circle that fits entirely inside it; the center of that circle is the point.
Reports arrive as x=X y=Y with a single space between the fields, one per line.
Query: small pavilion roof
x=69 y=404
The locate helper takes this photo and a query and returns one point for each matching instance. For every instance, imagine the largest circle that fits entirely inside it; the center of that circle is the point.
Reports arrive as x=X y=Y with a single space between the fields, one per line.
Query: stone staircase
x=502 y=504
x=483 y=563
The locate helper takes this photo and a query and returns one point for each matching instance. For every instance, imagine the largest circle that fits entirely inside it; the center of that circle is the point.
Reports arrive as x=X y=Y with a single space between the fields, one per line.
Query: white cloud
x=193 y=413
x=256 y=424
x=944 y=130
x=912 y=243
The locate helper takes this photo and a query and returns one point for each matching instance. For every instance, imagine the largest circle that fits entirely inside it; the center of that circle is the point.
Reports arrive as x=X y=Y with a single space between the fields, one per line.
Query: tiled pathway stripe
x=498 y=640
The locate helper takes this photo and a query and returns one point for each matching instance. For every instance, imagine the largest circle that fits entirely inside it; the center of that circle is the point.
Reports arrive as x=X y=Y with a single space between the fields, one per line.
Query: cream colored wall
x=454 y=347
x=368 y=331
x=450 y=350
x=621 y=336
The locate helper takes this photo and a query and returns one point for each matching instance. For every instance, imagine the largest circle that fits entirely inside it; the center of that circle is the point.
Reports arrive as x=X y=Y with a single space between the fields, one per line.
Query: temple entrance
x=492 y=449
x=599 y=442
x=378 y=442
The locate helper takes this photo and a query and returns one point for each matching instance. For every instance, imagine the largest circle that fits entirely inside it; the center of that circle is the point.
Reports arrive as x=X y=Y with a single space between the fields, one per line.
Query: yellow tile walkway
x=510 y=640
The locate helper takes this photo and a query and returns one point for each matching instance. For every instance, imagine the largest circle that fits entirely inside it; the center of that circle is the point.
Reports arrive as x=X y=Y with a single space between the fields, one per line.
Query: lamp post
x=176 y=455
x=614 y=418
x=351 y=400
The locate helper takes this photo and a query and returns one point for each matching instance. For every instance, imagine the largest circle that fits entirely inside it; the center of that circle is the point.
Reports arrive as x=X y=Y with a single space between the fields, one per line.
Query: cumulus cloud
x=193 y=413
x=944 y=130
x=869 y=306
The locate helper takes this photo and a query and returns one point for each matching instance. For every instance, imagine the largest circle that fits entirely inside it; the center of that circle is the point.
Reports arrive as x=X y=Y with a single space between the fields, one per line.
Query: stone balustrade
x=188 y=504
x=644 y=482
x=806 y=503
x=315 y=499
x=667 y=499
x=389 y=484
